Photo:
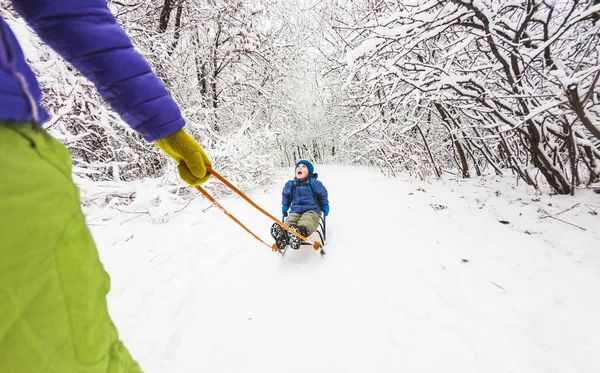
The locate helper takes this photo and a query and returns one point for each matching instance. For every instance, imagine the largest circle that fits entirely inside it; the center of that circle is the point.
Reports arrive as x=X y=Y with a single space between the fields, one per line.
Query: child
x=307 y=197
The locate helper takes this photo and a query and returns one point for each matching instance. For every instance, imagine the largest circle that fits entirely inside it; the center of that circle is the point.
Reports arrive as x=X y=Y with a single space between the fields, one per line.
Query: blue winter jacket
x=298 y=194
x=85 y=34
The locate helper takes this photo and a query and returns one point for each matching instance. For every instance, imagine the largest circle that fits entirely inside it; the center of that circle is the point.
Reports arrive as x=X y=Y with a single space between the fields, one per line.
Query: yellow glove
x=189 y=155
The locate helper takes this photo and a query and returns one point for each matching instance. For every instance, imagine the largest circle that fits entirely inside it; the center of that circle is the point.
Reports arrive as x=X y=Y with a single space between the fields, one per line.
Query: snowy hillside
x=467 y=276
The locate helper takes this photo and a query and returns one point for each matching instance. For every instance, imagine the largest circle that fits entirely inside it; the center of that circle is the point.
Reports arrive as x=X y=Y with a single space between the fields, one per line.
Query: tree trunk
x=200 y=71
x=464 y=165
x=165 y=15
x=433 y=165
x=177 y=34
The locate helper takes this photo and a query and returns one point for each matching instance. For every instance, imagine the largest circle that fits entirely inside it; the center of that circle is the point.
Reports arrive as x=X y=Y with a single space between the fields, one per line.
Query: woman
x=53 y=314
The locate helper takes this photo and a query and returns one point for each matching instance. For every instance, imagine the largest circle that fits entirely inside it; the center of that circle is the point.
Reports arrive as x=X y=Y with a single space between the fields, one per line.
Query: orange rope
x=241 y=194
x=315 y=244
x=210 y=198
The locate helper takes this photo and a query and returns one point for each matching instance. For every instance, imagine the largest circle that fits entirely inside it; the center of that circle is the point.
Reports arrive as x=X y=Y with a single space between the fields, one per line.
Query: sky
x=471 y=275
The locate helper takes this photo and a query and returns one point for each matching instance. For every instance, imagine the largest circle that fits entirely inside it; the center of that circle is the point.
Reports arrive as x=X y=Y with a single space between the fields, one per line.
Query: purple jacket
x=86 y=35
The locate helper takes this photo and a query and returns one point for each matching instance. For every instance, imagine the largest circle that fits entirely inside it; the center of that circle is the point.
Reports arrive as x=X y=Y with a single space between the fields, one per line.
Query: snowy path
x=197 y=294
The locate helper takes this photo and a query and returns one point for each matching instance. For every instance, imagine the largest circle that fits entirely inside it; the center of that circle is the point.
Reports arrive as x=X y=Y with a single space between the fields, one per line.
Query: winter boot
x=303 y=231
x=294 y=240
x=280 y=236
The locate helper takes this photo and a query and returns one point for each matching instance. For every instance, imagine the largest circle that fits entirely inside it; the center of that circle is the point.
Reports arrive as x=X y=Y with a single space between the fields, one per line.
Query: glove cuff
x=178 y=144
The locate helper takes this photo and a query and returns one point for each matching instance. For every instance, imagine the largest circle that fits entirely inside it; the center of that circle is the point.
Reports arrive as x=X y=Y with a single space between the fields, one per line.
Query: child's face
x=301 y=171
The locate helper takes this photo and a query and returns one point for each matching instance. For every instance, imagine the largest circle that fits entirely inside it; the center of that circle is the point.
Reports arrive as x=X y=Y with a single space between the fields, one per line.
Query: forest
x=429 y=88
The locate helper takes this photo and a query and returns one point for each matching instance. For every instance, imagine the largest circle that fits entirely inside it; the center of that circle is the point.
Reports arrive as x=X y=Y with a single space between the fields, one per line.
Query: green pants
x=53 y=314
x=309 y=219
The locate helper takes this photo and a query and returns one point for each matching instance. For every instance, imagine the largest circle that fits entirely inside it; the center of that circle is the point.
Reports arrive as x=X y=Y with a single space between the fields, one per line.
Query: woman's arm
x=86 y=34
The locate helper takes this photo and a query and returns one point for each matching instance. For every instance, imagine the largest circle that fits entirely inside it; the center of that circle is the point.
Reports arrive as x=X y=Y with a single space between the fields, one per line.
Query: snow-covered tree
x=509 y=84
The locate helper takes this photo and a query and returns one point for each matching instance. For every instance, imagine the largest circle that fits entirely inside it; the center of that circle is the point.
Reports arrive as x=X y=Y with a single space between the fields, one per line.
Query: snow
x=29 y=44
x=366 y=47
x=396 y=32
x=460 y=47
x=418 y=277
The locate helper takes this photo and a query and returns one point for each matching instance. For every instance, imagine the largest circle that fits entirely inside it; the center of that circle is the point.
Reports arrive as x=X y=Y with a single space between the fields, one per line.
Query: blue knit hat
x=308 y=165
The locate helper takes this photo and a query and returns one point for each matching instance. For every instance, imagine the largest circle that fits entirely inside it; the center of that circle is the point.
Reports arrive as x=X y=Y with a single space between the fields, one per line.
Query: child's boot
x=303 y=231
x=294 y=240
x=280 y=236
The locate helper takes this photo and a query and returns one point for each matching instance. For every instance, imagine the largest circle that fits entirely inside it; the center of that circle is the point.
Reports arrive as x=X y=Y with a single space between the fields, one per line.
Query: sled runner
x=317 y=244
x=322 y=235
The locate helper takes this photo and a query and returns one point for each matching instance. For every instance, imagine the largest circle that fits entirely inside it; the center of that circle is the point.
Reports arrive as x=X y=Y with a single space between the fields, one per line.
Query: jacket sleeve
x=286 y=195
x=321 y=192
x=86 y=34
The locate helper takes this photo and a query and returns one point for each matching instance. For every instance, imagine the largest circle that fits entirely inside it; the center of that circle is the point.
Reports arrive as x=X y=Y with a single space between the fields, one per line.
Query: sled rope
x=315 y=244
x=210 y=198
